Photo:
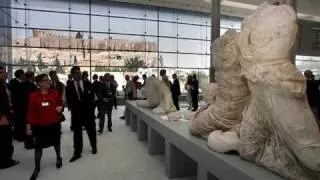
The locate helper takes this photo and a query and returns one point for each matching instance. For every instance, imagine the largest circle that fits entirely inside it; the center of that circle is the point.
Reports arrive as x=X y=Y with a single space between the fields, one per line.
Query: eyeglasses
x=45 y=80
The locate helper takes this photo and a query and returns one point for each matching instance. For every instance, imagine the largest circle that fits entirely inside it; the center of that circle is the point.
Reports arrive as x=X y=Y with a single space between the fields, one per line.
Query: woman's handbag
x=62 y=117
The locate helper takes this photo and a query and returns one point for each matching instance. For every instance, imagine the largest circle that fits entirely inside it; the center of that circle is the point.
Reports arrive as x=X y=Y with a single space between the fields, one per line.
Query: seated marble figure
x=277 y=129
x=227 y=99
x=158 y=96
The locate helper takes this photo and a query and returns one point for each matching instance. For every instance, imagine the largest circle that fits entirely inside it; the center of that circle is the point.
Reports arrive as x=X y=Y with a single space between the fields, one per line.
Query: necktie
x=80 y=92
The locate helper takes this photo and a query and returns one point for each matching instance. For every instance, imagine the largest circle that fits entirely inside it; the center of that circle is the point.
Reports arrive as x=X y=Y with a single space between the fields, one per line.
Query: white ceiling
x=307 y=9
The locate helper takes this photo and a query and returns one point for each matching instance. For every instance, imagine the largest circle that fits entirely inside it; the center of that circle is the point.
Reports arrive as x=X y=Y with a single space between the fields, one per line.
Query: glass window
x=191 y=18
x=203 y=78
x=15 y=3
x=168 y=45
x=80 y=6
x=230 y=22
x=49 y=20
x=190 y=31
x=191 y=46
x=151 y=44
x=168 y=29
x=168 y=60
x=132 y=60
x=99 y=7
x=151 y=13
x=100 y=24
x=208 y=46
x=192 y=61
x=131 y=11
x=5 y=16
x=152 y=28
x=130 y=26
x=51 y=5
x=223 y=30
x=79 y=22
x=18 y=18
x=5 y=36
x=132 y=41
x=168 y=15
x=127 y=43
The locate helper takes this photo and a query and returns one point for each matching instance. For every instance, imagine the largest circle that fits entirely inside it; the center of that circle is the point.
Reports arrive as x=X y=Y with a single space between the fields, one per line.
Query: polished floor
x=120 y=157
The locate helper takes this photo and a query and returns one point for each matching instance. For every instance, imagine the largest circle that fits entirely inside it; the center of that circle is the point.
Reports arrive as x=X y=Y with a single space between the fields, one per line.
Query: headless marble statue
x=278 y=130
x=158 y=96
x=225 y=107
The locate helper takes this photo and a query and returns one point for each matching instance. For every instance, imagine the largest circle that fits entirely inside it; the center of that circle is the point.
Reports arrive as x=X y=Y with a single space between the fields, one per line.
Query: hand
x=29 y=131
x=59 y=109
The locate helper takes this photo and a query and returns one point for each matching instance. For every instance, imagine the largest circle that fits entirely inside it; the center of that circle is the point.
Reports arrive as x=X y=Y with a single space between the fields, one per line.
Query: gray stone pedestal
x=156 y=143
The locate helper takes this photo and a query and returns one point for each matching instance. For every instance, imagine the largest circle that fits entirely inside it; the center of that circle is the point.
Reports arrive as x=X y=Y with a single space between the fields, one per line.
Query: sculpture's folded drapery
x=158 y=96
x=231 y=93
x=277 y=129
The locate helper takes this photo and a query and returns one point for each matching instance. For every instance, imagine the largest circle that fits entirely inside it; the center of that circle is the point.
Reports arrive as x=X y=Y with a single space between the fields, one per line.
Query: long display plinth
x=186 y=155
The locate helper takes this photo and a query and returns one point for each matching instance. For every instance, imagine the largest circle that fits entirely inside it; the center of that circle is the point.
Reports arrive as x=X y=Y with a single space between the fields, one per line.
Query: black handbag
x=62 y=117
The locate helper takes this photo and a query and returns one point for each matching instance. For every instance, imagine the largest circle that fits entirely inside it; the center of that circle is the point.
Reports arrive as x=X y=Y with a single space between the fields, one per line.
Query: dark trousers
x=6 y=147
x=195 y=101
x=78 y=121
x=115 y=102
x=19 y=126
x=175 y=99
x=105 y=108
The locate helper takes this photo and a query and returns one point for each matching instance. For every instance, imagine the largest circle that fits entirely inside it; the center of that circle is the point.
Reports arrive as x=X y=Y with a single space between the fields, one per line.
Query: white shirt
x=76 y=86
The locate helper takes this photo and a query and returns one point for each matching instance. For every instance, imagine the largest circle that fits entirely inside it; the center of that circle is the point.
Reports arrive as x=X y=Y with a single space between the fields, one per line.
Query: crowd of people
x=31 y=109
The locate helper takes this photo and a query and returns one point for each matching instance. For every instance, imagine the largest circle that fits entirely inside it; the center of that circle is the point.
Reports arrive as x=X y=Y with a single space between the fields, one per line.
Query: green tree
x=75 y=61
x=107 y=69
x=21 y=61
x=59 y=68
x=40 y=62
x=133 y=64
x=160 y=61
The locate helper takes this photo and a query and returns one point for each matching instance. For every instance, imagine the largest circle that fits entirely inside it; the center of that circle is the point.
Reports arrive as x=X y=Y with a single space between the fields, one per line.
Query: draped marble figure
x=225 y=107
x=158 y=96
x=277 y=129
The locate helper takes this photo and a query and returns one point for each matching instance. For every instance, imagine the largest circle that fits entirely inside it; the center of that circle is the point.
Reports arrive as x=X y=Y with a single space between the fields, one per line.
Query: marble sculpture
x=158 y=97
x=224 y=110
x=277 y=129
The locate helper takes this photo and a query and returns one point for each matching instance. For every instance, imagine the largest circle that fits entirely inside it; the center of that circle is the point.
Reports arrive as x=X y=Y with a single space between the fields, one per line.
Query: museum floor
x=121 y=157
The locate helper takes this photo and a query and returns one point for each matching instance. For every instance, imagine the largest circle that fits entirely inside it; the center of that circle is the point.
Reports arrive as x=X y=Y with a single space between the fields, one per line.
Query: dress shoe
x=110 y=129
x=10 y=164
x=74 y=158
x=122 y=117
x=100 y=132
x=59 y=163
x=34 y=175
x=94 y=151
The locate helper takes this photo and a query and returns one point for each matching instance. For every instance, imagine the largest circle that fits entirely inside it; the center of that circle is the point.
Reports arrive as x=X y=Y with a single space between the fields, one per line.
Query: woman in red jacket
x=44 y=125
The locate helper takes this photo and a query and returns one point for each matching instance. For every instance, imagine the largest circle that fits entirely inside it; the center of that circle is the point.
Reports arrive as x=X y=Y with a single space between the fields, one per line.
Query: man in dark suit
x=28 y=86
x=95 y=86
x=56 y=83
x=195 y=92
x=6 y=145
x=175 y=91
x=80 y=97
x=15 y=87
x=106 y=94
